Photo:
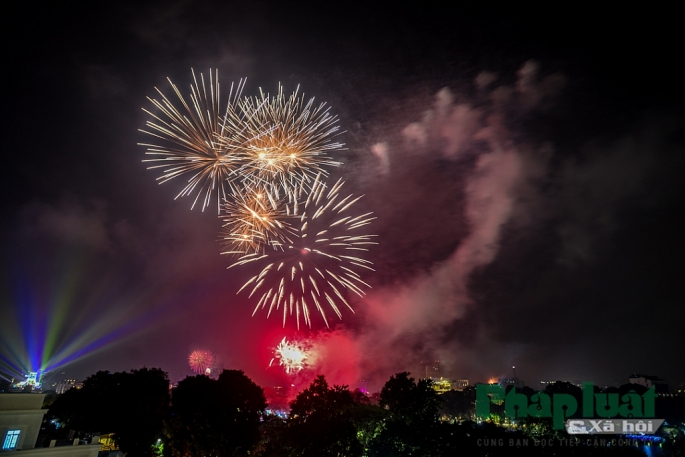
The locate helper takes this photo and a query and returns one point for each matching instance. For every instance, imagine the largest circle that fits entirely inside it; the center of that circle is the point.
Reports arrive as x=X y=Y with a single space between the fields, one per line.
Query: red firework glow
x=201 y=361
x=332 y=353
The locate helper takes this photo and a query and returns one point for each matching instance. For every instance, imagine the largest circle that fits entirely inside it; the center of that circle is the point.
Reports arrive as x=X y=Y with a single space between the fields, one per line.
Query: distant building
x=460 y=384
x=431 y=369
x=441 y=385
x=508 y=381
x=660 y=385
x=576 y=383
x=516 y=382
x=21 y=415
x=67 y=384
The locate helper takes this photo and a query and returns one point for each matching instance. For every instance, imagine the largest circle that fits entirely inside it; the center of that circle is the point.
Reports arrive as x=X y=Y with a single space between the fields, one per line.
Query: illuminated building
x=442 y=385
x=21 y=416
x=660 y=385
x=67 y=384
x=460 y=384
x=32 y=382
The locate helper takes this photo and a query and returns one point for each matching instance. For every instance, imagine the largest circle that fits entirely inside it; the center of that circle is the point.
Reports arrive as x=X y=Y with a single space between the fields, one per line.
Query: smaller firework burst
x=201 y=362
x=292 y=356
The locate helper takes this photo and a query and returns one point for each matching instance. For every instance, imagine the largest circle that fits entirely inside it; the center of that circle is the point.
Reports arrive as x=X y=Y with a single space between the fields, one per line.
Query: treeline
x=227 y=417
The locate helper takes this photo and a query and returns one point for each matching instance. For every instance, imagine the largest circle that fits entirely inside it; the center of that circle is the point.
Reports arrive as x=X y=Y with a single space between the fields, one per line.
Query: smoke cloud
x=510 y=184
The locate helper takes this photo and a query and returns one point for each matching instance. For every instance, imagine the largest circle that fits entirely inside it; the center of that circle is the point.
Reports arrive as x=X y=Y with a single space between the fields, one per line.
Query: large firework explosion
x=321 y=263
x=264 y=158
x=201 y=362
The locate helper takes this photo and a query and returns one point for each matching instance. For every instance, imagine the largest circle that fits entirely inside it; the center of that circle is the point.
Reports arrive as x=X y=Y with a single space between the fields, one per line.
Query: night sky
x=525 y=168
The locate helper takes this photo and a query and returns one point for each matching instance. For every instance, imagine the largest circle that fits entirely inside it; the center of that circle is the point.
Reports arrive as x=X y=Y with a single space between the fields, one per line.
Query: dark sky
x=525 y=167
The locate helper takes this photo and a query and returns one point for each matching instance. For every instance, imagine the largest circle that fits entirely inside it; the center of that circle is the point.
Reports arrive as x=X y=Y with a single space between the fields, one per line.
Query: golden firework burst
x=196 y=139
x=285 y=139
x=321 y=264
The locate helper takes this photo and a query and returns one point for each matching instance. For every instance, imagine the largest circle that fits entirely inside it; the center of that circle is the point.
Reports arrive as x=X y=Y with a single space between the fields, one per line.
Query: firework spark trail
x=197 y=139
x=201 y=362
x=284 y=139
x=321 y=265
x=292 y=356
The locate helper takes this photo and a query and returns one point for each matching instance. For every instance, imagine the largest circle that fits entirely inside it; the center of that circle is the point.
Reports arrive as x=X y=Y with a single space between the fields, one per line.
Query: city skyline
x=525 y=176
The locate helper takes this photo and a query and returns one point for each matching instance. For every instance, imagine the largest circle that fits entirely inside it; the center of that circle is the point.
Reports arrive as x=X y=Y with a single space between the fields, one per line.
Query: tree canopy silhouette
x=215 y=417
x=130 y=405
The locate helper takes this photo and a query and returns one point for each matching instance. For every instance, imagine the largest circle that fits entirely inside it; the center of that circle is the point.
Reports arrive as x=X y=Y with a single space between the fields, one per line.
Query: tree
x=412 y=426
x=322 y=399
x=215 y=417
x=324 y=421
x=408 y=401
x=144 y=402
x=320 y=424
x=458 y=404
x=130 y=405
